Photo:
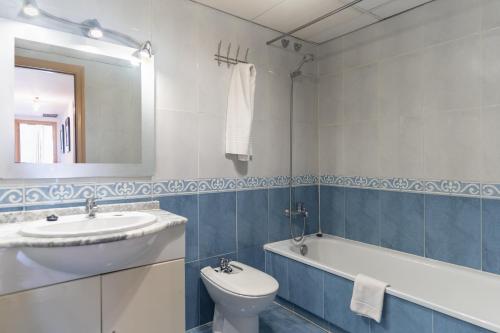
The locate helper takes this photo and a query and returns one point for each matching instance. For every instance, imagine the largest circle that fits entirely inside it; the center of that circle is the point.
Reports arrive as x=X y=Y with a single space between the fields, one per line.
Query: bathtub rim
x=277 y=248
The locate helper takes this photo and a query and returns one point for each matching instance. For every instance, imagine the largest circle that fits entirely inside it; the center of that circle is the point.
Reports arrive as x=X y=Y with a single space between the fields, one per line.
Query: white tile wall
x=191 y=90
x=415 y=96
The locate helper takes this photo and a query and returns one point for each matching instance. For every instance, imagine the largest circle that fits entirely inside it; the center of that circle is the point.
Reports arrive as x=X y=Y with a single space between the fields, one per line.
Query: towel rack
x=227 y=58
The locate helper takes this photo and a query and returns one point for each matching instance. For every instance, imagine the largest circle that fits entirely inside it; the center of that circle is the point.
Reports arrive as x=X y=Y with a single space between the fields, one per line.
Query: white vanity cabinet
x=66 y=307
x=147 y=299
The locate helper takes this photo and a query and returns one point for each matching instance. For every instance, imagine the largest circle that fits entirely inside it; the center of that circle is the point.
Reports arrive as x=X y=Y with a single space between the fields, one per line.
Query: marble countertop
x=12 y=222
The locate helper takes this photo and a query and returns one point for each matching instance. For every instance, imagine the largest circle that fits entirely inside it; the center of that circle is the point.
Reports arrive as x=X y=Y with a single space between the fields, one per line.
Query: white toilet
x=239 y=296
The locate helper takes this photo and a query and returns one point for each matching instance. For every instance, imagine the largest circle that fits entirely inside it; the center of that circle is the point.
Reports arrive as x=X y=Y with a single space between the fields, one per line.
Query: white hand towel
x=240 y=106
x=368 y=297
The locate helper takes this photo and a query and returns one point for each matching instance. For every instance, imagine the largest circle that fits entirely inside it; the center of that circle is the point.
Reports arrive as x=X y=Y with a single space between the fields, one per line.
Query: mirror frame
x=12 y=30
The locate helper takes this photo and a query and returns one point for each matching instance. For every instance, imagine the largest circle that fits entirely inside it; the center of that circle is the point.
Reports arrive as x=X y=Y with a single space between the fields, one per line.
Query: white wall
x=415 y=96
x=191 y=90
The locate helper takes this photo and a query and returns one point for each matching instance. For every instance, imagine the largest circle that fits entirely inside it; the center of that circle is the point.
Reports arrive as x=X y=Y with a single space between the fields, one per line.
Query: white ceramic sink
x=81 y=225
x=81 y=258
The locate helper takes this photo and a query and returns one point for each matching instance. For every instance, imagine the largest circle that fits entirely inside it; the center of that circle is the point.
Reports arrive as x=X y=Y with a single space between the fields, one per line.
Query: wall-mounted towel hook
x=246 y=55
x=228 y=52
x=218 y=52
x=237 y=54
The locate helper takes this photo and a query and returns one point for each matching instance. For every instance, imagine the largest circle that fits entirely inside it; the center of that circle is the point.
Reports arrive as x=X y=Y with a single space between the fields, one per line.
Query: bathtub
x=469 y=295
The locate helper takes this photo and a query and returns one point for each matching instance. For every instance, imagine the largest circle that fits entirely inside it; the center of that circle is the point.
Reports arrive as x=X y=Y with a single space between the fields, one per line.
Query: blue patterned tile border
x=279 y=181
x=57 y=193
x=453 y=187
x=305 y=180
x=252 y=183
x=402 y=184
x=217 y=185
x=11 y=196
x=124 y=190
x=445 y=187
x=175 y=186
x=490 y=190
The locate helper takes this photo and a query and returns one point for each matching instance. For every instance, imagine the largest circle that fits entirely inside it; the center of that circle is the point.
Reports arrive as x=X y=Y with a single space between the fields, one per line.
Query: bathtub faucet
x=300 y=210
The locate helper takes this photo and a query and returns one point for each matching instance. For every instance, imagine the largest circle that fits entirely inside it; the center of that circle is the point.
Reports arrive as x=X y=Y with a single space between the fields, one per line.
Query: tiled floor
x=276 y=319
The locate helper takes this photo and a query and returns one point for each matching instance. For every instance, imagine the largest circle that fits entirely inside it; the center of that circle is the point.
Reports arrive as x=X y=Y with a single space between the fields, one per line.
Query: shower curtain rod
x=316 y=20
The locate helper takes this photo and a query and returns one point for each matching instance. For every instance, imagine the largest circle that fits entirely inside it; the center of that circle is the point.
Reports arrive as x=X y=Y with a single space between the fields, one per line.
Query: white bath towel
x=368 y=297
x=240 y=111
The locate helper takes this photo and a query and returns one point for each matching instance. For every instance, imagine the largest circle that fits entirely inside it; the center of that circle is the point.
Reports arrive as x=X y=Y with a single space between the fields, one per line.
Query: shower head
x=307 y=58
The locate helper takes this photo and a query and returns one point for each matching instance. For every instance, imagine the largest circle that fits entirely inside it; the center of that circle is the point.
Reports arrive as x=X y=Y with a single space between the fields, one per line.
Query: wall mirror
x=74 y=106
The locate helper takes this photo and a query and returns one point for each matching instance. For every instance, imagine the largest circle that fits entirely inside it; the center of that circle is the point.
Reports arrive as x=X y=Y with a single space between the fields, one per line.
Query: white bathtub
x=470 y=295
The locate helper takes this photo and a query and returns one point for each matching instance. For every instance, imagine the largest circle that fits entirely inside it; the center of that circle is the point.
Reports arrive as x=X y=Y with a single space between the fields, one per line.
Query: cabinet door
x=147 y=299
x=67 y=307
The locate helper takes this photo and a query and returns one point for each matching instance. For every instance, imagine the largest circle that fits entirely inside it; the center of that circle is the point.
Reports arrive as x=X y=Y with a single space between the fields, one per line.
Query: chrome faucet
x=91 y=207
x=299 y=210
x=224 y=265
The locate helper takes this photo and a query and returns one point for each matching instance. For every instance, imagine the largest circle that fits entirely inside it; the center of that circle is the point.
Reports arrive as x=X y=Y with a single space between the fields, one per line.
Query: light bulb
x=31 y=10
x=95 y=33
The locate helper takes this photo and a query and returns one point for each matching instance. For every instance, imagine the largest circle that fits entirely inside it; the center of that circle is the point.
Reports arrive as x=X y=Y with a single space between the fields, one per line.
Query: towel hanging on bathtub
x=239 y=116
x=368 y=297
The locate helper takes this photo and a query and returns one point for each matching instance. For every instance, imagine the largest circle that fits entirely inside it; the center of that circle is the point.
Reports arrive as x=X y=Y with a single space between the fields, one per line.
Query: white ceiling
x=286 y=15
x=55 y=92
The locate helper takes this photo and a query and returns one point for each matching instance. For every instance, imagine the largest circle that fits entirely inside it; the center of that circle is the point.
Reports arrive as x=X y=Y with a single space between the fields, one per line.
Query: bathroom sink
x=91 y=245
x=81 y=225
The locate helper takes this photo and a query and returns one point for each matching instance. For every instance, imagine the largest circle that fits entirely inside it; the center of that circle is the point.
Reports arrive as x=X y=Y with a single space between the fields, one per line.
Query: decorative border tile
x=446 y=187
x=58 y=193
x=357 y=181
x=175 y=186
x=402 y=184
x=19 y=196
x=11 y=196
x=279 y=181
x=216 y=184
x=490 y=190
x=122 y=190
x=453 y=187
x=252 y=183
x=305 y=180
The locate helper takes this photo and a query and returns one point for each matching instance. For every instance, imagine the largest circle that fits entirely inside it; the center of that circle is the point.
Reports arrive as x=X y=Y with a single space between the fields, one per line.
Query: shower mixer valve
x=300 y=210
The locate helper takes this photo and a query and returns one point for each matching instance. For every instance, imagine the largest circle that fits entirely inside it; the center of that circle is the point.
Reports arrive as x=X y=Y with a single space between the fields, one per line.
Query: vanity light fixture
x=93 y=28
x=144 y=52
x=30 y=8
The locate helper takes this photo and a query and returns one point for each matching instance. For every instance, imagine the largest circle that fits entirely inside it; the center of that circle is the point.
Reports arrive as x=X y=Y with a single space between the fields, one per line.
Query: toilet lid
x=246 y=282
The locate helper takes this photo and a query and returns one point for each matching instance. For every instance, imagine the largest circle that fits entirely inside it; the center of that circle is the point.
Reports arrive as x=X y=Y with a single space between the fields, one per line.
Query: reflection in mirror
x=75 y=107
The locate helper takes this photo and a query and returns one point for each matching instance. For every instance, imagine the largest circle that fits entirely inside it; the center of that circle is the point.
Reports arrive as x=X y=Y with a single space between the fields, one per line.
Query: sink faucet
x=91 y=207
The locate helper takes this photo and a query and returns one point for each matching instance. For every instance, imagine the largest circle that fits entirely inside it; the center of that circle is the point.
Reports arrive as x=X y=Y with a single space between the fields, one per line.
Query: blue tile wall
x=402 y=221
x=363 y=215
x=332 y=210
x=453 y=230
x=187 y=206
x=217 y=219
x=309 y=196
x=451 y=221
x=252 y=218
x=491 y=236
x=279 y=199
x=192 y=296
x=398 y=315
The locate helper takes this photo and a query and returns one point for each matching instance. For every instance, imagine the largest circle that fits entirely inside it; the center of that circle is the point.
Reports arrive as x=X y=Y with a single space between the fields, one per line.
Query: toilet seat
x=243 y=281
